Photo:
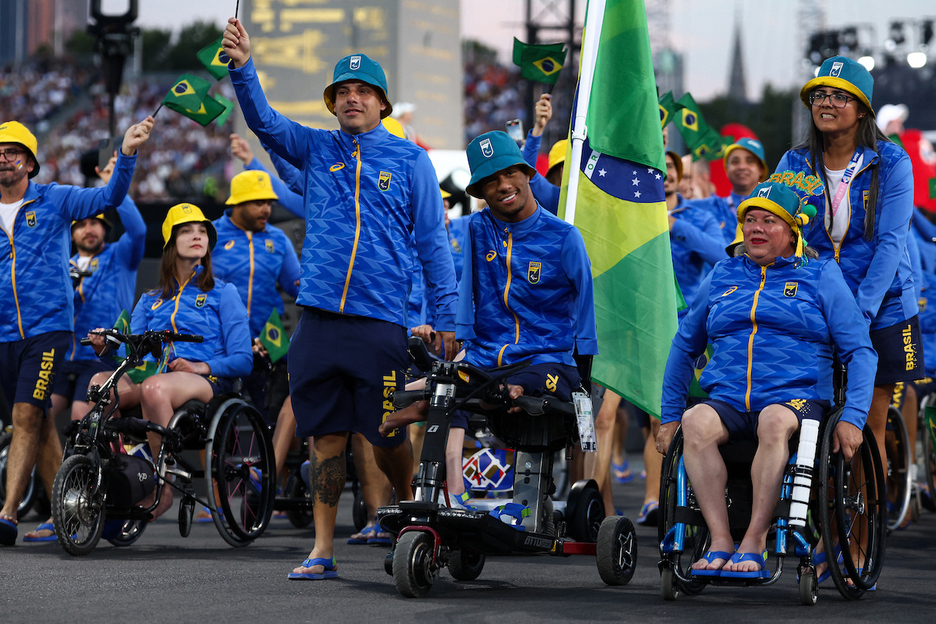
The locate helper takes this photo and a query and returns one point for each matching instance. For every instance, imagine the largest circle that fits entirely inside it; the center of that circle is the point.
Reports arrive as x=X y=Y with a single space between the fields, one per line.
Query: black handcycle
x=432 y=536
x=99 y=484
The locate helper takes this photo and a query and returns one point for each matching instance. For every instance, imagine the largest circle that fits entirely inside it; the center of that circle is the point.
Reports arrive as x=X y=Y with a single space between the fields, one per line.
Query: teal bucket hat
x=752 y=145
x=840 y=72
x=360 y=68
x=489 y=153
x=784 y=202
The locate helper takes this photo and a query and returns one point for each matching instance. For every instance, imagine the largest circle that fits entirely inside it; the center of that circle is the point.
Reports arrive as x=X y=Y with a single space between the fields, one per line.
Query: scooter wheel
x=466 y=564
x=413 y=571
x=616 y=550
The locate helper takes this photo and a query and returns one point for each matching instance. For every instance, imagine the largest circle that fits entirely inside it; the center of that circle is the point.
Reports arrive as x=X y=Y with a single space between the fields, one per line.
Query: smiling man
x=369 y=197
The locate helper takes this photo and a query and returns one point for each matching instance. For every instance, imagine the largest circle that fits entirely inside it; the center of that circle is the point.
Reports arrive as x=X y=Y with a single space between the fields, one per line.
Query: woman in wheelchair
x=187 y=300
x=774 y=313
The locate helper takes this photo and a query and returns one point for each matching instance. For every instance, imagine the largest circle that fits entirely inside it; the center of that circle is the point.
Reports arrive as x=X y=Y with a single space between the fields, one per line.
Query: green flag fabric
x=206 y=112
x=187 y=93
x=141 y=372
x=621 y=212
x=122 y=324
x=702 y=140
x=228 y=109
x=274 y=338
x=539 y=62
x=667 y=108
x=215 y=59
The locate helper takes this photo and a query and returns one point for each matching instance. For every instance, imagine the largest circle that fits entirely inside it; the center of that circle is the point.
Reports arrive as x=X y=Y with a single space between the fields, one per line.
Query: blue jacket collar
x=522 y=226
x=371 y=137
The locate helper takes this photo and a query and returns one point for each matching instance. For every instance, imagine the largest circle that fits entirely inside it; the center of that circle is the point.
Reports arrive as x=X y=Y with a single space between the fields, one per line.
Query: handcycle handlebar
x=151 y=335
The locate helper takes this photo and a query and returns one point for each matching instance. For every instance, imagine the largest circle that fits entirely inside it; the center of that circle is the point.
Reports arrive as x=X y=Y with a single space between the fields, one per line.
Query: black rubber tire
x=241 y=444
x=412 y=564
x=296 y=489
x=809 y=588
x=586 y=516
x=466 y=564
x=560 y=475
x=77 y=507
x=854 y=494
x=929 y=459
x=669 y=588
x=132 y=531
x=696 y=537
x=186 y=511
x=359 y=511
x=897 y=446
x=32 y=488
x=616 y=551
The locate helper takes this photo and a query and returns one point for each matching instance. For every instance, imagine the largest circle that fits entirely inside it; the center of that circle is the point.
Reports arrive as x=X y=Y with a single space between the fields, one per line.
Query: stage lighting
x=868 y=61
x=916 y=60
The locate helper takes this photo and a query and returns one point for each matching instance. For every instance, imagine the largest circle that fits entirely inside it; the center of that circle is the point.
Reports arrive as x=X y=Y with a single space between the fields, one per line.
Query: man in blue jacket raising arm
x=368 y=195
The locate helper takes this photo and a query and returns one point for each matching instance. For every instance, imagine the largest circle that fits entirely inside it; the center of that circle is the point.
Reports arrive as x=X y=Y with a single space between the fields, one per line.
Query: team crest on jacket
x=31 y=218
x=229 y=244
x=533 y=272
x=200 y=300
x=269 y=246
x=383 y=182
x=789 y=289
x=94 y=265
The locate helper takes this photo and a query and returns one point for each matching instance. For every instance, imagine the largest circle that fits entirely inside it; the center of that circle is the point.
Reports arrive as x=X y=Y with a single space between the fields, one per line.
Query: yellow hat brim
x=835 y=83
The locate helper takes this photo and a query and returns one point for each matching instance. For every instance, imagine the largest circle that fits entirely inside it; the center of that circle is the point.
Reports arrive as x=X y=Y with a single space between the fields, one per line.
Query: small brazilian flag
x=228 y=109
x=667 y=108
x=215 y=59
x=187 y=93
x=206 y=112
x=701 y=140
x=539 y=62
x=274 y=338
x=122 y=324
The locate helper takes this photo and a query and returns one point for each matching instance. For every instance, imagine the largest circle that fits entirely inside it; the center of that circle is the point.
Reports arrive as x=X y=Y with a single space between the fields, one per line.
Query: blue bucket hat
x=489 y=153
x=840 y=72
x=752 y=145
x=784 y=202
x=360 y=68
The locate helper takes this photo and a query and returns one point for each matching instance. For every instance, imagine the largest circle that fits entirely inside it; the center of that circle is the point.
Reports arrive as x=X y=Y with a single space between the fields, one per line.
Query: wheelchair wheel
x=413 y=569
x=466 y=564
x=696 y=538
x=78 y=505
x=239 y=458
x=897 y=445
x=359 y=510
x=296 y=490
x=32 y=488
x=616 y=551
x=130 y=532
x=852 y=495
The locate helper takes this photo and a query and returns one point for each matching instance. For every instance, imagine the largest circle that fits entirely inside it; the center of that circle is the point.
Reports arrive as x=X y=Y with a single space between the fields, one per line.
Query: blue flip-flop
x=8 y=531
x=711 y=556
x=622 y=468
x=760 y=558
x=45 y=526
x=821 y=558
x=362 y=540
x=330 y=565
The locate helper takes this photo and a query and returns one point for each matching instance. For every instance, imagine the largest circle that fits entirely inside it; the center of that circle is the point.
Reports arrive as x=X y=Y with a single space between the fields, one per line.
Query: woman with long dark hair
x=188 y=300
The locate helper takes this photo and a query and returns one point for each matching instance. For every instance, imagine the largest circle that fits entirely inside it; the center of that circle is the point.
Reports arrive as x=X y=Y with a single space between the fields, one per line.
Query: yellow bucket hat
x=557 y=154
x=187 y=213
x=251 y=186
x=15 y=132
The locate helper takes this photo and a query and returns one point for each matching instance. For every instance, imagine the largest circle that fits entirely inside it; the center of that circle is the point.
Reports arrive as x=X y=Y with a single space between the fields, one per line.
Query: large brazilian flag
x=620 y=209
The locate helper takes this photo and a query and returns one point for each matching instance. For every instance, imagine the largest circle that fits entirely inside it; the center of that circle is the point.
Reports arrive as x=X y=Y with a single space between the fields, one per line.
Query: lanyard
x=846 y=178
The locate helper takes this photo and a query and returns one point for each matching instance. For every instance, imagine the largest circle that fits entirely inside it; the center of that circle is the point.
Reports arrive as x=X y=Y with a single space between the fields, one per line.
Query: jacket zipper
x=750 y=364
x=357 y=227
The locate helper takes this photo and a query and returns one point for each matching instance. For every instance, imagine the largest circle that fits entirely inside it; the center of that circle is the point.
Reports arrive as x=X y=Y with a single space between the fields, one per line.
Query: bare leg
x=284 y=435
x=24 y=449
x=397 y=463
x=375 y=487
x=417 y=435
x=453 y=461
x=327 y=480
x=910 y=415
x=653 y=463
x=619 y=450
x=776 y=424
x=48 y=461
x=703 y=432
x=604 y=432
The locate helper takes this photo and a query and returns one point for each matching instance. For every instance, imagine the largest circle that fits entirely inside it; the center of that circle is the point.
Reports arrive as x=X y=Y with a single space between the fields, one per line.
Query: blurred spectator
x=493 y=95
x=35 y=91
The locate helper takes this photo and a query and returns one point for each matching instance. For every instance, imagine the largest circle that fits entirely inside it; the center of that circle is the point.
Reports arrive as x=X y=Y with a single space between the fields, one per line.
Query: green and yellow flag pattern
x=215 y=59
x=541 y=63
x=274 y=338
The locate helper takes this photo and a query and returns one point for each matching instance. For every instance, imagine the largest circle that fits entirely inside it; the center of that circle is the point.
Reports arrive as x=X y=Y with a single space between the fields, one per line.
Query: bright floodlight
x=867 y=61
x=916 y=60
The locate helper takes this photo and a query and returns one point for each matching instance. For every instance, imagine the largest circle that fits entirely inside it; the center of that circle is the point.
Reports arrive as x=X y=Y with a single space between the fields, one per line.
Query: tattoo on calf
x=327 y=478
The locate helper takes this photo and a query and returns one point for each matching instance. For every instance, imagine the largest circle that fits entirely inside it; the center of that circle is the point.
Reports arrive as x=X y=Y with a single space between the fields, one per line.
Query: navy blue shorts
x=28 y=367
x=219 y=385
x=342 y=370
x=73 y=378
x=743 y=425
x=922 y=388
x=900 y=352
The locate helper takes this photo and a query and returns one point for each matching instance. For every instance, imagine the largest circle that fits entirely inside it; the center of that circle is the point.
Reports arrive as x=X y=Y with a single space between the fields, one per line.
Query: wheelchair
x=97 y=488
x=927 y=429
x=899 y=471
x=846 y=506
x=431 y=536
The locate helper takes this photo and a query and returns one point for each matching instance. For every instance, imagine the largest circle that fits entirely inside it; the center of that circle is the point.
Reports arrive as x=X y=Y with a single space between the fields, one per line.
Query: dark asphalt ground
x=200 y=579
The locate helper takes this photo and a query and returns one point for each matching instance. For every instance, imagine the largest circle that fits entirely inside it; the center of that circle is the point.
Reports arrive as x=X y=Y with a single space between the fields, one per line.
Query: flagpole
x=157 y=110
x=593 y=20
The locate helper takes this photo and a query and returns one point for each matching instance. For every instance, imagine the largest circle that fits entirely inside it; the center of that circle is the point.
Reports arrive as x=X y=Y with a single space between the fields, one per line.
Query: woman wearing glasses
x=864 y=187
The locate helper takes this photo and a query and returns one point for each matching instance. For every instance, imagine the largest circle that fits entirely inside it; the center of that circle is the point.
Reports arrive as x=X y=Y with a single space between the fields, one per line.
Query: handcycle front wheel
x=897 y=445
x=239 y=459
x=78 y=505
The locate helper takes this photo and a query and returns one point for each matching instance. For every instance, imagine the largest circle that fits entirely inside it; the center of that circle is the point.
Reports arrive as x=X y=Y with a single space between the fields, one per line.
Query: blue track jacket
x=772 y=329
x=696 y=243
x=725 y=212
x=525 y=291
x=35 y=285
x=109 y=290
x=217 y=315
x=546 y=193
x=288 y=199
x=255 y=262
x=366 y=196
x=878 y=271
